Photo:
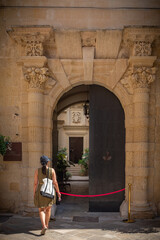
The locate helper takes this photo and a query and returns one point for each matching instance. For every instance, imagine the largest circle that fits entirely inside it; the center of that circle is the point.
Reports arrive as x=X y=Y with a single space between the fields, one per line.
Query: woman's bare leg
x=48 y=215
x=42 y=216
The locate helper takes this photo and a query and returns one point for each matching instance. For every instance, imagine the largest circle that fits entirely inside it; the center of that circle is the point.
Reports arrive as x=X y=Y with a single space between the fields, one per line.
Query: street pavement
x=73 y=222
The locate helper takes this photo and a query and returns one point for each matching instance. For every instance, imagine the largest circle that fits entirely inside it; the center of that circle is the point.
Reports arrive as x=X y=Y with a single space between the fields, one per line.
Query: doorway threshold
x=79 y=178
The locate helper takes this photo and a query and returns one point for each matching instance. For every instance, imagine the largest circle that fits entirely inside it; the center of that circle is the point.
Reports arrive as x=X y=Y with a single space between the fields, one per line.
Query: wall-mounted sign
x=15 y=154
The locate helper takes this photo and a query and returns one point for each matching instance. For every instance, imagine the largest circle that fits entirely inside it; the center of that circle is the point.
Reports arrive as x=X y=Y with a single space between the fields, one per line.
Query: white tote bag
x=47 y=189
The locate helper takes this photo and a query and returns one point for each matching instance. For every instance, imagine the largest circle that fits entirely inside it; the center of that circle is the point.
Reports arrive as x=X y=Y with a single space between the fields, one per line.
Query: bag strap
x=51 y=173
x=47 y=179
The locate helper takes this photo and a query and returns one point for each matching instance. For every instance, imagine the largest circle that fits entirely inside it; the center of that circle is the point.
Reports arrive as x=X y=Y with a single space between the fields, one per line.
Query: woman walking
x=44 y=203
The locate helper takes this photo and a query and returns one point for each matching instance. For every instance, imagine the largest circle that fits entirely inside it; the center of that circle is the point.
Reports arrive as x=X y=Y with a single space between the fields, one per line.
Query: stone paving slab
x=113 y=228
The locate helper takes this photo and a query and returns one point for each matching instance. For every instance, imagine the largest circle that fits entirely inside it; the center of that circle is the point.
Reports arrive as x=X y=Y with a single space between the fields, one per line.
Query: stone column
x=137 y=81
x=141 y=77
x=37 y=74
x=36 y=78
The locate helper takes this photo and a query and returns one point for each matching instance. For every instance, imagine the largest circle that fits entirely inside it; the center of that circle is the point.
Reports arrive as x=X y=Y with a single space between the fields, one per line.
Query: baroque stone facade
x=42 y=58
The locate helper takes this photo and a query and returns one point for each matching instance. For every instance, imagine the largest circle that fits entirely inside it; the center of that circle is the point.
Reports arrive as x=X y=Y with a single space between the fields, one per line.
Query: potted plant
x=4 y=144
x=62 y=165
x=84 y=162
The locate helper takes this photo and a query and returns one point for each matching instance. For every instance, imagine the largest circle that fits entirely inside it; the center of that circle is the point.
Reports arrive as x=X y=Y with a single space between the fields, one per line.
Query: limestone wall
x=84 y=43
x=82 y=14
x=10 y=124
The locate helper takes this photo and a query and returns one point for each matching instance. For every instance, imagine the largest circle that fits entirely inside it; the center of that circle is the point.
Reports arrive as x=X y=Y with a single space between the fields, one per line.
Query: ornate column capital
x=32 y=38
x=142 y=77
x=139 y=40
x=138 y=77
x=38 y=78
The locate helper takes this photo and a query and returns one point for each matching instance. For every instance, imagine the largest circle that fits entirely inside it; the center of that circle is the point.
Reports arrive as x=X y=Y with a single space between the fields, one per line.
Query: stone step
x=75 y=170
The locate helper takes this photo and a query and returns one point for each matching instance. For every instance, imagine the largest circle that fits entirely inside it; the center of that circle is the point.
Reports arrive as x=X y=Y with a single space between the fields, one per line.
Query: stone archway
x=106 y=124
x=127 y=73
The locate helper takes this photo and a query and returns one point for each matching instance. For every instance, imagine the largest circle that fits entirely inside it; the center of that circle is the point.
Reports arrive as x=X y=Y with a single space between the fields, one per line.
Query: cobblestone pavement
x=74 y=224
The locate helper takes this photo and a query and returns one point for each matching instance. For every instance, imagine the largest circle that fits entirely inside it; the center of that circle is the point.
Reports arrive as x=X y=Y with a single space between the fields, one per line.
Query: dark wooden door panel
x=107 y=138
x=75 y=148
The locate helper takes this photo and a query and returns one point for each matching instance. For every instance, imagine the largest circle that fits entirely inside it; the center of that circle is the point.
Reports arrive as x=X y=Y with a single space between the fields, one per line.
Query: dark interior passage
x=75 y=149
x=106 y=143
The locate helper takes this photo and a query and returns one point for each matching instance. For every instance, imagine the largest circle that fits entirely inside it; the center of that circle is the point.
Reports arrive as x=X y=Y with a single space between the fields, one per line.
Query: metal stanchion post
x=129 y=205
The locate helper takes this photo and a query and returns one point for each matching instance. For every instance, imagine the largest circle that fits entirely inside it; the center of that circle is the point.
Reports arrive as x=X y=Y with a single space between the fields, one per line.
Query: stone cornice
x=146 y=61
x=73 y=127
x=29 y=61
x=141 y=34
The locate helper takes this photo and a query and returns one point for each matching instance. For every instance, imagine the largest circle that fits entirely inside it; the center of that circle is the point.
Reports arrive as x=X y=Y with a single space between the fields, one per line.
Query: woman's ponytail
x=44 y=169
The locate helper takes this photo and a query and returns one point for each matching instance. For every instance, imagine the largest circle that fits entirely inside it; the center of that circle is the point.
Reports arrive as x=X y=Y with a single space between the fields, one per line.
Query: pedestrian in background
x=44 y=203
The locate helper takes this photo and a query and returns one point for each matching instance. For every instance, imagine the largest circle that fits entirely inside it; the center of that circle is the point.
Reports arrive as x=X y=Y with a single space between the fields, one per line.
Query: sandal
x=43 y=231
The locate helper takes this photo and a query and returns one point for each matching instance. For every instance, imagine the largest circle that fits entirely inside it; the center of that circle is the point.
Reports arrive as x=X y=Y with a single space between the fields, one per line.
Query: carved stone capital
x=138 y=77
x=32 y=38
x=142 y=77
x=38 y=77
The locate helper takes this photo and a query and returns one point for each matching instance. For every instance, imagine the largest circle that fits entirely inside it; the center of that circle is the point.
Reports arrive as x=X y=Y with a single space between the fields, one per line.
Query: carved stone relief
x=33 y=48
x=76 y=117
x=142 y=48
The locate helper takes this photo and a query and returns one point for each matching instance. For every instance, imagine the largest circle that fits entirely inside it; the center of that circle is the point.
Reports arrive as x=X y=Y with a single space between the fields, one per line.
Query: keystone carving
x=138 y=77
x=39 y=78
x=88 y=39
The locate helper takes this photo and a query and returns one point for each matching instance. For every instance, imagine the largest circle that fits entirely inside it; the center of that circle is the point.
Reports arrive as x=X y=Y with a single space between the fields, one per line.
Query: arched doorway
x=106 y=143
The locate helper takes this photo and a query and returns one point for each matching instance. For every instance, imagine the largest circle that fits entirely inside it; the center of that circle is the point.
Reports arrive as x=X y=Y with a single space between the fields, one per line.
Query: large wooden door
x=75 y=149
x=107 y=141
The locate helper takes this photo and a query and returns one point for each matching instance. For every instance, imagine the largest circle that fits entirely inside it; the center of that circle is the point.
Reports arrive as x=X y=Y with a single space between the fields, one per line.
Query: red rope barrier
x=98 y=195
